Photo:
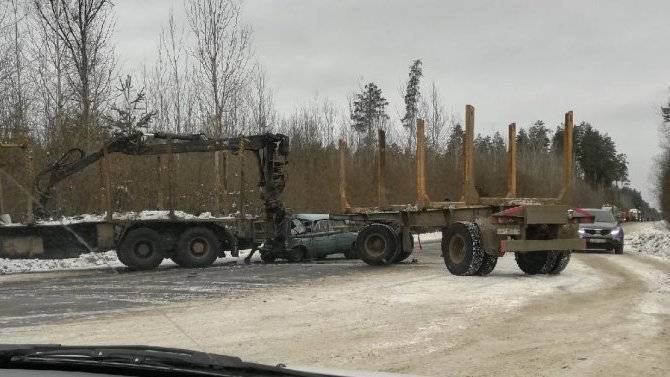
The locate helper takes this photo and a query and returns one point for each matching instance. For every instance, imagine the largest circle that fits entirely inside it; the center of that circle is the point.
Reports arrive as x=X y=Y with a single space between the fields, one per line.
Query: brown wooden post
x=107 y=197
x=217 y=181
x=30 y=169
x=242 y=177
x=421 y=195
x=160 y=170
x=566 y=192
x=2 y=196
x=170 y=165
x=469 y=194
x=344 y=201
x=511 y=162
x=381 y=169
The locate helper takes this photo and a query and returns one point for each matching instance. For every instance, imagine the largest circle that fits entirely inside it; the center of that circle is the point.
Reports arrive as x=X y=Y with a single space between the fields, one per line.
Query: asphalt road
x=49 y=297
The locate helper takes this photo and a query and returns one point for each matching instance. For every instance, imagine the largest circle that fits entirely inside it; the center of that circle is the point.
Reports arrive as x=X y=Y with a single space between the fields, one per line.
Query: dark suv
x=604 y=233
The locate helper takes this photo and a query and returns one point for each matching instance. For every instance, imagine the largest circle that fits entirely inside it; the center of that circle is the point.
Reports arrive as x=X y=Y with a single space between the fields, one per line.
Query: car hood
x=597 y=225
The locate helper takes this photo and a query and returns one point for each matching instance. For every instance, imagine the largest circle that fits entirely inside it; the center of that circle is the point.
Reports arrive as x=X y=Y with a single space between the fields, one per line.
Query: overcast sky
x=608 y=61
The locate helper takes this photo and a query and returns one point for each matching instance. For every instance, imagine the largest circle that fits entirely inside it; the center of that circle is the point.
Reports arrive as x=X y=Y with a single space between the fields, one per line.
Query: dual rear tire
x=463 y=251
x=144 y=249
x=381 y=244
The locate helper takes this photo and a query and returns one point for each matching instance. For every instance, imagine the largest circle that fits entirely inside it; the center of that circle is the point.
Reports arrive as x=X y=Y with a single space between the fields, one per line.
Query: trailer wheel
x=562 y=260
x=402 y=255
x=140 y=249
x=196 y=247
x=462 y=248
x=377 y=244
x=488 y=264
x=536 y=262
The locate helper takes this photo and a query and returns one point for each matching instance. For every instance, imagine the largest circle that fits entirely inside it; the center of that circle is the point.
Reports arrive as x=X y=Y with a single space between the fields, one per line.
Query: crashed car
x=315 y=236
x=605 y=233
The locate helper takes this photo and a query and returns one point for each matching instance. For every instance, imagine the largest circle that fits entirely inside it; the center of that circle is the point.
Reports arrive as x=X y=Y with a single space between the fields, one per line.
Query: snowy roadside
x=650 y=238
x=108 y=260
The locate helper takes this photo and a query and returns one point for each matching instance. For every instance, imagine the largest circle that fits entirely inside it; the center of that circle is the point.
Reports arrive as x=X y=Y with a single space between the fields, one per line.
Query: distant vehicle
x=634 y=214
x=317 y=236
x=604 y=233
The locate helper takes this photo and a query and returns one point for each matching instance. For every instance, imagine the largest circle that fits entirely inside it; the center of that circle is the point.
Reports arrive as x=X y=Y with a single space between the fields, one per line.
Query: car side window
x=297 y=227
x=321 y=226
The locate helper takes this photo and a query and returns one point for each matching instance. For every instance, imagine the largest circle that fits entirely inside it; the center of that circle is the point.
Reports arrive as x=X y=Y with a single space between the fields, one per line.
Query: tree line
x=64 y=87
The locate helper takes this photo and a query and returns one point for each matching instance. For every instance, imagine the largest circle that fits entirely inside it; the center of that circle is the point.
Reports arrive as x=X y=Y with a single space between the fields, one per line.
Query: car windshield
x=602 y=216
x=372 y=187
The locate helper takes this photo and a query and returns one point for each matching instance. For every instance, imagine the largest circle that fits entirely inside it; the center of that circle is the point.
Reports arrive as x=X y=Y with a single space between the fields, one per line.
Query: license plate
x=597 y=240
x=512 y=230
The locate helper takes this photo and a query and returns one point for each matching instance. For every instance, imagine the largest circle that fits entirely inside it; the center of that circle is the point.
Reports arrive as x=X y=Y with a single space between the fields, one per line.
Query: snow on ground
x=650 y=238
x=427 y=237
x=88 y=261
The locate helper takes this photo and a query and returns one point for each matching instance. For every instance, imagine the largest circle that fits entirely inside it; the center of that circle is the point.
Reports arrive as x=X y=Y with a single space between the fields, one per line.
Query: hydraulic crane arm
x=271 y=151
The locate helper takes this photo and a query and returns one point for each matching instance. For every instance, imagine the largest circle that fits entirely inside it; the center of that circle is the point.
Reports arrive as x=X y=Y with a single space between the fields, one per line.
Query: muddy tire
x=462 y=249
x=562 y=260
x=488 y=264
x=141 y=249
x=377 y=244
x=296 y=255
x=402 y=255
x=197 y=247
x=537 y=262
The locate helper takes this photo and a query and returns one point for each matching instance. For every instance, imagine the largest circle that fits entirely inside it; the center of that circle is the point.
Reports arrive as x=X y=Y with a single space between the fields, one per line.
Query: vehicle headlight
x=615 y=232
x=581 y=231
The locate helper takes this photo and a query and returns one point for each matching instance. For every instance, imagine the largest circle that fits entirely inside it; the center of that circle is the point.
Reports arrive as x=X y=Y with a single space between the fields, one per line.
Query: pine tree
x=412 y=95
x=455 y=142
x=538 y=137
x=369 y=112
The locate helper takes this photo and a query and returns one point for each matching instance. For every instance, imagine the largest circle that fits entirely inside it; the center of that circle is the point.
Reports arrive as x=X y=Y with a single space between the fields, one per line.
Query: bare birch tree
x=84 y=28
x=222 y=52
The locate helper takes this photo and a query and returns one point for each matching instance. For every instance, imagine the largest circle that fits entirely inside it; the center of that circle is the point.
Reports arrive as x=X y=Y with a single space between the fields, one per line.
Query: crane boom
x=270 y=150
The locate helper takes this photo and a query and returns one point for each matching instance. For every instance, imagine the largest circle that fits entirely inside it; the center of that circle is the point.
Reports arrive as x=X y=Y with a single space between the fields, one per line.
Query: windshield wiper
x=140 y=357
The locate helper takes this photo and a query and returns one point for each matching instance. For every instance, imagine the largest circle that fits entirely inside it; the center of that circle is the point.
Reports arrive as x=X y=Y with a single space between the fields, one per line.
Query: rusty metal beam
x=344 y=201
x=511 y=162
x=381 y=169
x=469 y=194
x=566 y=192
x=421 y=194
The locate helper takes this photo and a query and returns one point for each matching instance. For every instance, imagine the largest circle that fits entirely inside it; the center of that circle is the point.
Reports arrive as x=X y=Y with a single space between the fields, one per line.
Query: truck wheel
x=377 y=244
x=196 y=247
x=462 y=249
x=297 y=254
x=351 y=253
x=402 y=255
x=488 y=264
x=140 y=249
x=537 y=262
x=562 y=261
x=267 y=257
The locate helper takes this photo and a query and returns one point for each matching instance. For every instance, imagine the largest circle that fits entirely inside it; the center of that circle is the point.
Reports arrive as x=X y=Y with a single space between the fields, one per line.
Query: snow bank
x=651 y=238
x=88 y=261
x=427 y=237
